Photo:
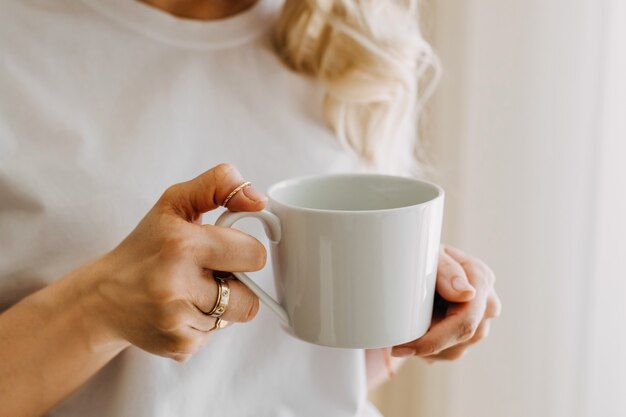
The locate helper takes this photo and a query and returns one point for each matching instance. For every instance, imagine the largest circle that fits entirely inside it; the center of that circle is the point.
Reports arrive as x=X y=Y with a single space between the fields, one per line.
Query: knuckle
x=479 y=271
x=172 y=189
x=183 y=346
x=487 y=273
x=176 y=248
x=171 y=194
x=164 y=286
x=169 y=321
x=161 y=290
x=223 y=170
x=221 y=241
x=473 y=269
x=466 y=330
x=427 y=349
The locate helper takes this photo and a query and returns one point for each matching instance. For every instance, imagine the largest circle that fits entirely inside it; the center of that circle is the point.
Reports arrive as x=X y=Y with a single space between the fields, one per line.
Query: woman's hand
x=465 y=302
x=153 y=288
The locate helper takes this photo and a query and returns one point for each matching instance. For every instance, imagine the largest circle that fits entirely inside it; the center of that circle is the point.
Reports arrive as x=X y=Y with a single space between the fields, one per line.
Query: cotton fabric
x=103 y=105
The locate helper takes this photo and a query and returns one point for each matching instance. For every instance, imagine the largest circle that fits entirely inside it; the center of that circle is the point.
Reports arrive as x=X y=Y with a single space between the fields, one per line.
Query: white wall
x=605 y=366
x=529 y=138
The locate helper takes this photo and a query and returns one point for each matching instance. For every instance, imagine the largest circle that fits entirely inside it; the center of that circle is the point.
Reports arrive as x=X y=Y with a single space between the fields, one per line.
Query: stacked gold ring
x=223 y=297
x=219 y=324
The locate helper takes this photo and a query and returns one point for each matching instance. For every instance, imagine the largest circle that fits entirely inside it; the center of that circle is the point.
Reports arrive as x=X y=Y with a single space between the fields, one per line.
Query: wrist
x=90 y=308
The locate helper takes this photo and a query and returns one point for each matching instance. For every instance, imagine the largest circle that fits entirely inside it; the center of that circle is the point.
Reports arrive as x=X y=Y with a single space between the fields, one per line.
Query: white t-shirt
x=105 y=103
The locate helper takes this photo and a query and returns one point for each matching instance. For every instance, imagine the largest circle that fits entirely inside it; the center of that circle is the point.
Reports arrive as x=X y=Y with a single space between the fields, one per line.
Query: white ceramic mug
x=354 y=257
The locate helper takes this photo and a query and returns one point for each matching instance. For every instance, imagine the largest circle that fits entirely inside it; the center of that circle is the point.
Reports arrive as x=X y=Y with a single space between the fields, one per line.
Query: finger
x=452 y=282
x=208 y=327
x=478 y=273
x=209 y=190
x=226 y=249
x=453 y=353
x=207 y=324
x=482 y=332
x=494 y=306
x=481 y=277
x=180 y=357
x=183 y=343
x=459 y=326
x=242 y=306
x=458 y=351
x=199 y=320
x=456 y=253
x=242 y=199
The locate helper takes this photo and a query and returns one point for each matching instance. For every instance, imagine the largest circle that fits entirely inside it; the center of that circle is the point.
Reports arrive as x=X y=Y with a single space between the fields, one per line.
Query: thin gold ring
x=223 y=297
x=219 y=324
x=235 y=191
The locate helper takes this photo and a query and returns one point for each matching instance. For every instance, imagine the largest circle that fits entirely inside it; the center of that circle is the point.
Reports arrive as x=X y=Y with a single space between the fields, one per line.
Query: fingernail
x=461 y=285
x=253 y=194
x=402 y=352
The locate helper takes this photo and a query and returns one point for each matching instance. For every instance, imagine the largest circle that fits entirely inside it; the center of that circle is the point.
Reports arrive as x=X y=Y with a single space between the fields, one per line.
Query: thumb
x=209 y=190
x=452 y=282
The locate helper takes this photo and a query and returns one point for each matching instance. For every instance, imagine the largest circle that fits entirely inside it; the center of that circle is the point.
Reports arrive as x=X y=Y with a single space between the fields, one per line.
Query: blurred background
x=527 y=132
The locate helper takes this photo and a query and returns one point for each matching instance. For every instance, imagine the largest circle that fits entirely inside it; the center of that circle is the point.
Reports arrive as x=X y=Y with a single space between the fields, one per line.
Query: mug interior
x=353 y=192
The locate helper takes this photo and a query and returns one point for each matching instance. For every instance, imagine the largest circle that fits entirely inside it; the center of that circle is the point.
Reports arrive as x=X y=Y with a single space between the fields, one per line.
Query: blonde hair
x=373 y=61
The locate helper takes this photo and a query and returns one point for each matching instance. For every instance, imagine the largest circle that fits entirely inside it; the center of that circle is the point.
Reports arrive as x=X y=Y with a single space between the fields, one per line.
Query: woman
x=107 y=102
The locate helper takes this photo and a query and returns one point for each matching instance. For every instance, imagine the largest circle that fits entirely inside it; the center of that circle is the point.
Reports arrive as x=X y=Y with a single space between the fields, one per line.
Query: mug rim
x=291 y=181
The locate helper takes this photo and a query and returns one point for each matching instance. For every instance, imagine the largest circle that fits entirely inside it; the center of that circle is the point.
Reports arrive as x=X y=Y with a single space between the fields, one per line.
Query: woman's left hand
x=464 y=304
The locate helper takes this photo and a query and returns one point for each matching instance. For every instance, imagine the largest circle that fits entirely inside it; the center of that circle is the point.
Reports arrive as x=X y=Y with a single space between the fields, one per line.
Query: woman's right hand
x=153 y=288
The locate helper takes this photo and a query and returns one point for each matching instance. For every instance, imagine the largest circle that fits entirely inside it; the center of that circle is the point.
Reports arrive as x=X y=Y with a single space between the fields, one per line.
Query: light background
x=528 y=135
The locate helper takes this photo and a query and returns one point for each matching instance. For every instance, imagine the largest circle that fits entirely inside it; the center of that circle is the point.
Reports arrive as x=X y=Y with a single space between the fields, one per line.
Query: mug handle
x=271 y=224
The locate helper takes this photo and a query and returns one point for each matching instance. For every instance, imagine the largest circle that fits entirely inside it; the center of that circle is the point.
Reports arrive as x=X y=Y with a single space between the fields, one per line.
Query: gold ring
x=219 y=324
x=223 y=297
x=235 y=191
